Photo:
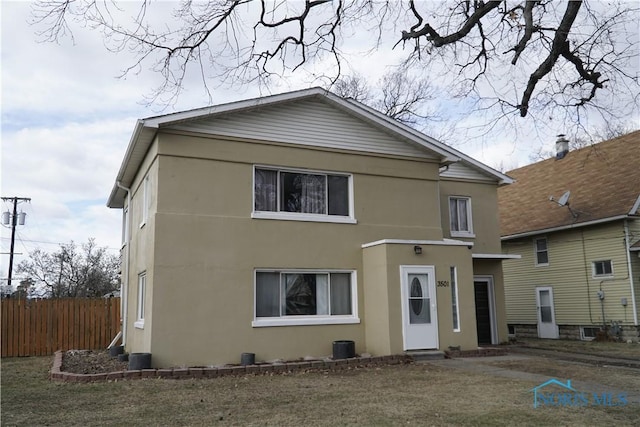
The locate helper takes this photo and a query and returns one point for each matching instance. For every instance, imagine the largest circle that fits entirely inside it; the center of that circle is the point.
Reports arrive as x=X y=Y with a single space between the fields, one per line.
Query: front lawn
x=394 y=395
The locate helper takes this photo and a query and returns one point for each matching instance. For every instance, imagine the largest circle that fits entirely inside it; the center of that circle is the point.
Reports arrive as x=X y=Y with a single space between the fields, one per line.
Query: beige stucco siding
x=207 y=246
x=388 y=258
x=570 y=274
x=486 y=224
x=141 y=252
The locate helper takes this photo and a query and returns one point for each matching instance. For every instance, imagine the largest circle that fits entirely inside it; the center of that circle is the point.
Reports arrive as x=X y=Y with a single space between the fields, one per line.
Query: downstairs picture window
x=294 y=297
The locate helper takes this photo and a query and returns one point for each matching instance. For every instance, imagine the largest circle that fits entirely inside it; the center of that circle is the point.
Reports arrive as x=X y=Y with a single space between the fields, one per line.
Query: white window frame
x=125 y=226
x=296 y=216
x=312 y=319
x=146 y=196
x=454 y=294
x=599 y=276
x=461 y=233
x=536 y=251
x=140 y=306
x=583 y=335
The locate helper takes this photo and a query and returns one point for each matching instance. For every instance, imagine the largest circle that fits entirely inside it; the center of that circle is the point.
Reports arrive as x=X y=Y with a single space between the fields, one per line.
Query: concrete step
x=418 y=355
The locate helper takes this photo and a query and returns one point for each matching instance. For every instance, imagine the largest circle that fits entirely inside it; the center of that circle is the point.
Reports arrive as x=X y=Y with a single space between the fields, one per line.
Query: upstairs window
x=602 y=268
x=541 y=250
x=460 y=216
x=302 y=195
x=146 y=199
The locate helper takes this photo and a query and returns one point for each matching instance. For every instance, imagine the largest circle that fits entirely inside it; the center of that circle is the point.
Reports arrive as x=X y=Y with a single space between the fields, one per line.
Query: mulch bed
x=91 y=362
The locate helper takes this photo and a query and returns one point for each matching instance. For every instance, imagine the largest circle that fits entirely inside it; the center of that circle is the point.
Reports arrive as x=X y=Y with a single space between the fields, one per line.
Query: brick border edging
x=57 y=374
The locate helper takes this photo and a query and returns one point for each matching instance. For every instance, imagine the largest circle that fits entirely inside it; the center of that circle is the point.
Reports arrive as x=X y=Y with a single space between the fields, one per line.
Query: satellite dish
x=564 y=199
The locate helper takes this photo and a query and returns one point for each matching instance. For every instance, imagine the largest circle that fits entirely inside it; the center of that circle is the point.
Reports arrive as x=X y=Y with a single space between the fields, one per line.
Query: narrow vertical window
x=125 y=225
x=146 y=200
x=142 y=291
x=542 y=251
x=454 y=299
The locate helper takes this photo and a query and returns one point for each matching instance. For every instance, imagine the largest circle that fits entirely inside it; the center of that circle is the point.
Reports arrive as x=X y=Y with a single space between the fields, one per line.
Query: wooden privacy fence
x=40 y=327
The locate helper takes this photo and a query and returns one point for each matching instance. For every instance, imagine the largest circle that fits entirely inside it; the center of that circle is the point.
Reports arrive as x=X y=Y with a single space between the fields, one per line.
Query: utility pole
x=13 y=218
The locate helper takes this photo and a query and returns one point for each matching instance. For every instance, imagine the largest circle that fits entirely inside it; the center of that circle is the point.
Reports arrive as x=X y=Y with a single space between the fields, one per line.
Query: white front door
x=547 y=327
x=419 y=309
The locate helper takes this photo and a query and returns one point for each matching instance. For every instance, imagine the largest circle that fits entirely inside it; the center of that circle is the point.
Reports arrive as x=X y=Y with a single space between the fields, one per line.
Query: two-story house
x=575 y=220
x=278 y=225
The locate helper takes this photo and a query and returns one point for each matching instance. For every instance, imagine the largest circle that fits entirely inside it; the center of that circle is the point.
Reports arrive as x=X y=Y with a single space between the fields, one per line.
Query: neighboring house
x=278 y=225
x=575 y=220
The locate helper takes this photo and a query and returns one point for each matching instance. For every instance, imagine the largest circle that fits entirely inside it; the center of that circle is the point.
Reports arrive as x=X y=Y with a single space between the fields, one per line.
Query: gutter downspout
x=633 y=293
x=124 y=285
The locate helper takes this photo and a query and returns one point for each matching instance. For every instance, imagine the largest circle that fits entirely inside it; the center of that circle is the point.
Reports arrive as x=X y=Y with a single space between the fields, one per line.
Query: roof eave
x=141 y=139
x=564 y=227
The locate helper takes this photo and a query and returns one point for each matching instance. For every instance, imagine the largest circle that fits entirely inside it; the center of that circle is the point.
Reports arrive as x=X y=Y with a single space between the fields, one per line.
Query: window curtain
x=462 y=215
x=265 y=192
x=267 y=294
x=313 y=192
x=340 y=293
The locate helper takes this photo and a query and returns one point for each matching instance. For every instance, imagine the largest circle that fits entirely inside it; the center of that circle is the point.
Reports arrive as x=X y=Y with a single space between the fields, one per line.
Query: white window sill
x=462 y=234
x=139 y=324
x=542 y=265
x=603 y=277
x=287 y=216
x=278 y=321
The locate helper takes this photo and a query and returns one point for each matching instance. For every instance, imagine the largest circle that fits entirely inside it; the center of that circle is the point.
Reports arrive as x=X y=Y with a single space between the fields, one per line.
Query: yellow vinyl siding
x=570 y=274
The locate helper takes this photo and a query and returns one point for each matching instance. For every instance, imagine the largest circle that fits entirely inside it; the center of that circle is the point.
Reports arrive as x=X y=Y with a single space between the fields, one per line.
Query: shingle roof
x=604 y=180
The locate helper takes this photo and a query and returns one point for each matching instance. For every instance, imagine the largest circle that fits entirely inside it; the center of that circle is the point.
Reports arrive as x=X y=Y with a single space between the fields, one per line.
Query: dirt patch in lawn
x=596 y=348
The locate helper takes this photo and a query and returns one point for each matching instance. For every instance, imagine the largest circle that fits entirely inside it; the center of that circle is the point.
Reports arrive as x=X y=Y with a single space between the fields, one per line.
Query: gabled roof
x=604 y=181
x=146 y=129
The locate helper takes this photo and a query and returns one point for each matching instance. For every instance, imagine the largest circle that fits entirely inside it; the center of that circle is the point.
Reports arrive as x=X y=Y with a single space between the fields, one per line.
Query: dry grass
x=395 y=395
x=612 y=349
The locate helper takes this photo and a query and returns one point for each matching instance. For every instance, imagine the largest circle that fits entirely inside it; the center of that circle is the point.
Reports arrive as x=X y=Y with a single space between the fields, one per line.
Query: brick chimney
x=562 y=147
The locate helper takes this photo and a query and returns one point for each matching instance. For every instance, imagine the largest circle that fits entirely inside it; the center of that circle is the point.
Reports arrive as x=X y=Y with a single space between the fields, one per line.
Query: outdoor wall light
x=417 y=249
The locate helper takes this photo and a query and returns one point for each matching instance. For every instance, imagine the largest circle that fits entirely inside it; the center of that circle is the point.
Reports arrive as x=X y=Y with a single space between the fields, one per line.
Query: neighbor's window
x=602 y=268
x=142 y=291
x=304 y=297
x=460 y=216
x=301 y=195
x=454 y=299
x=542 y=252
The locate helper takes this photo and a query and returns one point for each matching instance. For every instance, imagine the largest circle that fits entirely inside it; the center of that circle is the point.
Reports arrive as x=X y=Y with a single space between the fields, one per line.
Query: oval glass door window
x=419 y=310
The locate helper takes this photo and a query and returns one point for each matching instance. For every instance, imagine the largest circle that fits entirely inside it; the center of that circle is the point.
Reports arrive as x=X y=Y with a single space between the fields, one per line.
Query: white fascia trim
x=443 y=242
x=495 y=256
x=636 y=206
x=334 y=320
x=564 y=227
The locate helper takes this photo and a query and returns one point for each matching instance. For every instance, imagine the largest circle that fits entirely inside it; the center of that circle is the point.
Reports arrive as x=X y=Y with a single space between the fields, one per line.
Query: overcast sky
x=67 y=120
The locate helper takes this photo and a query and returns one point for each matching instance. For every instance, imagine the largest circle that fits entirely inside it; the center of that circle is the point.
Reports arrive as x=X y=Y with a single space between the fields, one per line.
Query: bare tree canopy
x=513 y=58
x=397 y=95
x=72 y=271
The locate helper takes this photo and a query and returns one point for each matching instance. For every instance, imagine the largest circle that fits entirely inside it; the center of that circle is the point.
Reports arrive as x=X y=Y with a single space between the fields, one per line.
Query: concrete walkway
x=479 y=365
